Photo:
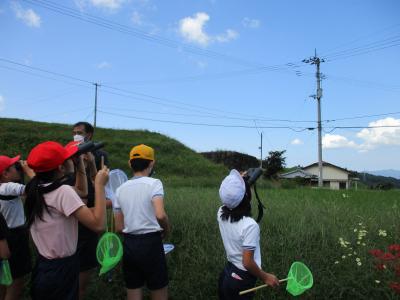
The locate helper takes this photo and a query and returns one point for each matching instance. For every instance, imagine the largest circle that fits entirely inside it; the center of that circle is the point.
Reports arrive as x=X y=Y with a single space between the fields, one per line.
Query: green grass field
x=299 y=224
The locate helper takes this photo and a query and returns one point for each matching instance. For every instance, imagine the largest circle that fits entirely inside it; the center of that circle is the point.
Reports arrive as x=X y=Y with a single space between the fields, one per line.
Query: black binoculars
x=89 y=146
x=252 y=175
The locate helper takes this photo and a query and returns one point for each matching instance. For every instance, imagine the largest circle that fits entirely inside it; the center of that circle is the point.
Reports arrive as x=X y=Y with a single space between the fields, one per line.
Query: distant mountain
x=386 y=173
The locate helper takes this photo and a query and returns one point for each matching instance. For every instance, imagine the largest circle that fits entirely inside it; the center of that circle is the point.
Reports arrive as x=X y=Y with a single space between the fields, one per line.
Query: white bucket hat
x=232 y=189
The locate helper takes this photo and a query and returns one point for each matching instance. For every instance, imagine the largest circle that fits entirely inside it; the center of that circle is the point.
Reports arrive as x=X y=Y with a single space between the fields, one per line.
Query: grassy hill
x=175 y=163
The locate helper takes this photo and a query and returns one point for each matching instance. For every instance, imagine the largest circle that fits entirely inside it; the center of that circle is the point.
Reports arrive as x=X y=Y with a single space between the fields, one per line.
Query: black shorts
x=144 y=261
x=20 y=259
x=234 y=280
x=55 y=278
x=86 y=251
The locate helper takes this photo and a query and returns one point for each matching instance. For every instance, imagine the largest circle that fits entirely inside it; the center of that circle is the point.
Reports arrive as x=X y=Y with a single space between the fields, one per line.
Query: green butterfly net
x=5 y=273
x=299 y=279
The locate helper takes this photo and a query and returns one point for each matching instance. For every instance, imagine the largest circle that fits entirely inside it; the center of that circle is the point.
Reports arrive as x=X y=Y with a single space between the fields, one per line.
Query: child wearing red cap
x=53 y=210
x=11 y=208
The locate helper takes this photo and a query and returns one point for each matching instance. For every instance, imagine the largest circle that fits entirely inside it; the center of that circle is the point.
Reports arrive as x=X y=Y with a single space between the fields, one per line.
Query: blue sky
x=231 y=63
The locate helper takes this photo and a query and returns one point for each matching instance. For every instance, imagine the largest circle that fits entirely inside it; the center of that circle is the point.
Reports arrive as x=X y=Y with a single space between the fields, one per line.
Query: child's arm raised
x=81 y=186
x=94 y=218
x=27 y=171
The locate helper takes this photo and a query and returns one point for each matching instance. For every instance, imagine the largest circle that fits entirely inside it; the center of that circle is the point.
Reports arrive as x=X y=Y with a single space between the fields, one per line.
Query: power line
x=327 y=52
x=157 y=100
x=46 y=71
x=210 y=76
x=363 y=50
x=250 y=118
x=365 y=127
x=198 y=108
x=111 y=25
x=297 y=129
x=379 y=43
x=293 y=128
x=205 y=116
x=363 y=116
x=41 y=76
x=367 y=84
x=332 y=129
x=145 y=97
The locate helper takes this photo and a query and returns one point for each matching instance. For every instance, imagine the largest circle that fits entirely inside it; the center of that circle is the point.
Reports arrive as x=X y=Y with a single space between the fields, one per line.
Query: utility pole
x=95 y=105
x=261 y=150
x=315 y=60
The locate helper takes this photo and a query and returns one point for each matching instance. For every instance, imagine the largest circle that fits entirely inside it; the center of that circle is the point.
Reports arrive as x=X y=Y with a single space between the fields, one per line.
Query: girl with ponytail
x=53 y=209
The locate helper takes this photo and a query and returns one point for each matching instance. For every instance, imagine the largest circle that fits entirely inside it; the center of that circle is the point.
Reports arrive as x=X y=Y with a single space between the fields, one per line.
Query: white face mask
x=79 y=138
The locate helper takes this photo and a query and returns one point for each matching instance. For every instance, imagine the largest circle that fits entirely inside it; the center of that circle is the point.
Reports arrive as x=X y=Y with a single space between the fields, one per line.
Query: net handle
x=112 y=220
x=259 y=287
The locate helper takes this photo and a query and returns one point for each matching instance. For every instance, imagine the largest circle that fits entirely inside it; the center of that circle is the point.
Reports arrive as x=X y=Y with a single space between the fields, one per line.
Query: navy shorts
x=234 y=280
x=55 y=278
x=144 y=261
x=87 y=253
x=20 y=259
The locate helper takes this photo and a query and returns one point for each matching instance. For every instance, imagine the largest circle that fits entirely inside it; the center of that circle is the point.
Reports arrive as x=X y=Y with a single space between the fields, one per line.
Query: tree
x=274 y=163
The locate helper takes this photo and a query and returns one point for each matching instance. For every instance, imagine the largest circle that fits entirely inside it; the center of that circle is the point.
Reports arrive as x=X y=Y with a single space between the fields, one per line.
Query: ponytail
x=34 y=202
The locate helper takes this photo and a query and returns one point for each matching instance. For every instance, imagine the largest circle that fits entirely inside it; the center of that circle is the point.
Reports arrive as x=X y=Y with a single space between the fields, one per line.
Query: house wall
x=329 y=173
x=335 y=185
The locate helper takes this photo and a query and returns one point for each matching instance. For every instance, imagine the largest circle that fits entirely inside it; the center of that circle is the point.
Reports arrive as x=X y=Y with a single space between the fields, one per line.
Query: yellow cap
x=142 y=151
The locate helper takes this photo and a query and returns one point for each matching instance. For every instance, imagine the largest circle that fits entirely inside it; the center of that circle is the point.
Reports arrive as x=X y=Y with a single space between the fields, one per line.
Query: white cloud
x=333 y=141
x=109 y=5
x=2 y=103
x=192 y=29
x=137 y=18
x=229 y=35
x=297 y=142
x=251 y=23
x=374 y=137
x=28 y=16
x=103 y=65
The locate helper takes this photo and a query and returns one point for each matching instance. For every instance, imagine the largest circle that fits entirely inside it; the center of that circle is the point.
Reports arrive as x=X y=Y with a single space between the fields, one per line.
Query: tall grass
x=301 y=224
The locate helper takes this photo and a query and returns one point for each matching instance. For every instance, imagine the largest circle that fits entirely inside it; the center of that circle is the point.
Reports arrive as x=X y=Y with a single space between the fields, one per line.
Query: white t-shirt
x=12 y=210
x=134 y=199
x=239 y=236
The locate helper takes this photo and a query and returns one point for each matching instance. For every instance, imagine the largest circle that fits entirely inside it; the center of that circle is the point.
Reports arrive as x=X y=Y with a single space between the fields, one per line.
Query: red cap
x=72 y=144
x=48 y=156
x=6 y=162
